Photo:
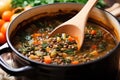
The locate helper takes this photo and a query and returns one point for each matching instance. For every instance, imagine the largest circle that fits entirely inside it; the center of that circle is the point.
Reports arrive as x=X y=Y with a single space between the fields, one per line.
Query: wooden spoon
x=75 y=26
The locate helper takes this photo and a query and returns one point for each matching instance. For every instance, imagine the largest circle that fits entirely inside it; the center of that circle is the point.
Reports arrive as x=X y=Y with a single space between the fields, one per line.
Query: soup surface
x=61 y=49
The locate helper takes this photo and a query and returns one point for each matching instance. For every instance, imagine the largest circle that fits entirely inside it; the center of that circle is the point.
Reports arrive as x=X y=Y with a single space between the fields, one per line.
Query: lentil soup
x=61 y=49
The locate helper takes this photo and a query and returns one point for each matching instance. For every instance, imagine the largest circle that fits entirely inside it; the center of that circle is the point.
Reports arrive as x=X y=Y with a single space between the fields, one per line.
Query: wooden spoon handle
x=86 y=9
x=84 y=13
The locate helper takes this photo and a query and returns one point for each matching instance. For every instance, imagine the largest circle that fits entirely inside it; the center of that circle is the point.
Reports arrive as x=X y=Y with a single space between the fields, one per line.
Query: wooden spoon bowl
x=75 y=26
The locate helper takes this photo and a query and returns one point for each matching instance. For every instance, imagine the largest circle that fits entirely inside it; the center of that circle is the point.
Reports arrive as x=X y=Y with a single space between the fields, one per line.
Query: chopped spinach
x=69 y=51
x=44 y=45
x=102 y=45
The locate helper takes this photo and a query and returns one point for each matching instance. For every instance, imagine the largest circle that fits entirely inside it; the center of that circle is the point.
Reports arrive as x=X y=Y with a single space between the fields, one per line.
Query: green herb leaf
x=44 y=45
x=23 y=3
x=69 y=51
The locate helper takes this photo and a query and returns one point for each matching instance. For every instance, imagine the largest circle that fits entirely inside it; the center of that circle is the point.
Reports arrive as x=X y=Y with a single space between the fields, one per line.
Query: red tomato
x=1 y=22
x=4 y=27
x=2 y=38
x=7 y=15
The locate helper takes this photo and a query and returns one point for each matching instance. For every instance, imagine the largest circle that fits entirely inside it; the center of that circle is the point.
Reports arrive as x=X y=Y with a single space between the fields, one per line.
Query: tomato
x=2 y=38
x=1 y=22
x=4 y=27
x=7 y=15
x=5 y=5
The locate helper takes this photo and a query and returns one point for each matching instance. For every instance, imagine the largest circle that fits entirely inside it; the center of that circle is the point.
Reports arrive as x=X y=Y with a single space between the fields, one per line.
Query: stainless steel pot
x=105 y=68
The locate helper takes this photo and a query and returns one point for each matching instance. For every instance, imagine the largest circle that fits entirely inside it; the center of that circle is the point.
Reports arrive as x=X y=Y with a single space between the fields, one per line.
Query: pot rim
x=52 y=65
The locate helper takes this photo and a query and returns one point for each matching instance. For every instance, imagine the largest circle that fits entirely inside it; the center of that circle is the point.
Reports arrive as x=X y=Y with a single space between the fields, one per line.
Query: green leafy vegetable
x=69 y=51
x=44 y=45
x=23 y=3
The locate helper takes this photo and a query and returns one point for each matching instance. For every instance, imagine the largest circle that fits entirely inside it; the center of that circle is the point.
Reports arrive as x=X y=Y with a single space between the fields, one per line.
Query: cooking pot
x=105 y=68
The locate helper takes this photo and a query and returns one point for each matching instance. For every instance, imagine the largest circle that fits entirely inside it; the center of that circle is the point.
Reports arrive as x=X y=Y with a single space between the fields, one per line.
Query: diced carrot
x=36 y=35
x=94 y=46
x=75 y=62
x=93 y=32
x=71 y=39
x=47 y=59
x=36 y=42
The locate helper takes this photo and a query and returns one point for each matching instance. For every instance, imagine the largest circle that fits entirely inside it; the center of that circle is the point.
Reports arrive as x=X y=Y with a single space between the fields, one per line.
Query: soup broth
x=61 y=49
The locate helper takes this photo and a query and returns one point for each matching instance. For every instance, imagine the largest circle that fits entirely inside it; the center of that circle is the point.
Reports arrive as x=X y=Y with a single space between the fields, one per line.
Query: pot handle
x=114 y=9
x=7 y=68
